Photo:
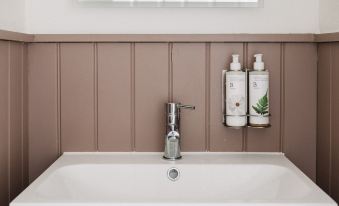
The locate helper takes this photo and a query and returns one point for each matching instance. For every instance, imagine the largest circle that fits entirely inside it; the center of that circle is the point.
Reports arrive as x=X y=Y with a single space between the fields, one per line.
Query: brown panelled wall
x=189 y=82
x=13 y=151
x=110 y=97
x=268 y=140
x=114 y=102
x=150 y=63
x=43 y=119
x=300 y=77
x=328 y=118
x=220 y=138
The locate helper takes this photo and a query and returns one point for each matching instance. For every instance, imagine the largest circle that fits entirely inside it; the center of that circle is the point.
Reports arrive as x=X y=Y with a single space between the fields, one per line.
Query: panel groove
x=170 y=72
x=246 y=66
x=331 y=63
x=96 y=112
x=9 y=122
x=58 y=63
x=207 y=96
x=22 y=117
x=133 y=136
x=4 y=172
x=282 y=95
x=25 y=114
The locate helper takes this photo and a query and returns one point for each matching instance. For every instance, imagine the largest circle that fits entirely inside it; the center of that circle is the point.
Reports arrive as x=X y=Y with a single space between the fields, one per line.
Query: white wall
x=12 y=15
x=277 y=16
x=329 y=16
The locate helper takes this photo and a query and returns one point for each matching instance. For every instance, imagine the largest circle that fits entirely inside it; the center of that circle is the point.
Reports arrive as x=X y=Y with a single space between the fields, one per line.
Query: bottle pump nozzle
x=235 y=65
x=259 y=65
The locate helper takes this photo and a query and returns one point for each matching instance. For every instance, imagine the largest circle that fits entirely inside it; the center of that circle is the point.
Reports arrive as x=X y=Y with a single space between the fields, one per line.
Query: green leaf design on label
x=262 y=105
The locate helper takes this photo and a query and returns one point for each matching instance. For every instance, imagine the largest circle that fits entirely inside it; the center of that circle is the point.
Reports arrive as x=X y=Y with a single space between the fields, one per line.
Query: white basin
x=141 y=179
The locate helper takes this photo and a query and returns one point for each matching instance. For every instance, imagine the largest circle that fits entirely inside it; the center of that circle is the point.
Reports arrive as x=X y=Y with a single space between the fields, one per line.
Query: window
x=174 y=3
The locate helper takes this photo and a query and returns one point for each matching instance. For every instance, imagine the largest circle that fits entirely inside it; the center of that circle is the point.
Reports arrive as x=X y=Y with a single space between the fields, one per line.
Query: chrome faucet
x=172 y=138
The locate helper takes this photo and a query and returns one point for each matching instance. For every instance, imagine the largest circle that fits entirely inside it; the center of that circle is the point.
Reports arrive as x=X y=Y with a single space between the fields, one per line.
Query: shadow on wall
x=13 y=124
x=328 y=119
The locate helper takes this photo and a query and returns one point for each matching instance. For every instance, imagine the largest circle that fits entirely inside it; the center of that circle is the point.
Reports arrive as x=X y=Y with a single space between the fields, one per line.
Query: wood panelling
x=4 y=122
x=300 y=105
x=267 y=140
x=78 y=97
x=184 y=38
x=189 y=87
x=25 y=142
x=16 y=118
x=114 y=97
x=12 y=148
x=328 y=119
x=324 y=115
x=43 y=107
x=16 y=36
x=151 y=88
x=335 y=123
x=111 y=97
x=222 y=138
x=327 y=37
x=45 y=38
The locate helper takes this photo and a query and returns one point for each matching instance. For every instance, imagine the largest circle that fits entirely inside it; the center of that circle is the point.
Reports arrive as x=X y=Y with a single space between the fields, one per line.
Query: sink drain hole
x=173 y=174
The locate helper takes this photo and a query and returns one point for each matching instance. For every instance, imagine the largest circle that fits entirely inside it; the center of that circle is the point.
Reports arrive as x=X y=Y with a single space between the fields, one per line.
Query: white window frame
x=174 y=3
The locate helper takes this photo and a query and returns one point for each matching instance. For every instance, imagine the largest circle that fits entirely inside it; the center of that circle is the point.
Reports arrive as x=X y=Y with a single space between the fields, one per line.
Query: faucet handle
x=174 y=108
x=182 y=106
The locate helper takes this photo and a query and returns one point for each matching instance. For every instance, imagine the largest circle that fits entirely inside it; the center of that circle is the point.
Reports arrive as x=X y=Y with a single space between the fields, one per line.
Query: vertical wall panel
x=43 y=107
x=4 y=121
x=221 y=137
x=324 y=116
x=25 y=141
x=114 y=97
x=300 y=105
x=151 y=94
x=328 y=119
x=78 y=97
x=267 y=140
x=335 y=123
x=189 y=67
x=16 y=72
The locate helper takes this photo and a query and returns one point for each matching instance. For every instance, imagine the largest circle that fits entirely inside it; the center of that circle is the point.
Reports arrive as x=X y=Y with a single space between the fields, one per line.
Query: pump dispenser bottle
x=259 y=94
x=236 y=97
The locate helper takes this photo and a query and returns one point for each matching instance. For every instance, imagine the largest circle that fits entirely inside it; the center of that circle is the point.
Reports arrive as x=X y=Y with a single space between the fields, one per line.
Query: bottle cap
x=235 y=65
x=259 y=65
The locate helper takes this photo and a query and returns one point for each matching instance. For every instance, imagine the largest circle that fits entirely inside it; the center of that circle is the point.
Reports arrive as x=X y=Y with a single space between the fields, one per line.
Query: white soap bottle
x=236 y=97
x=259 y=94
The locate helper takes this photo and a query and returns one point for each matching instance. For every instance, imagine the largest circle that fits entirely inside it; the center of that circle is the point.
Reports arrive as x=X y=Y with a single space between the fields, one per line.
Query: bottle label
x=236 y=103
x=259 y=95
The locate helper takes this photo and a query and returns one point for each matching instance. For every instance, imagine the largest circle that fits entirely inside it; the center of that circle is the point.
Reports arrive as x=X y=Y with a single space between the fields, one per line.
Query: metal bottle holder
x=223 y=103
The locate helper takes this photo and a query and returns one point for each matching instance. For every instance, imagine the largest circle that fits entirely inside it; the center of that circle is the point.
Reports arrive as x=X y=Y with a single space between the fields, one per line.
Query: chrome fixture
x=172 y=139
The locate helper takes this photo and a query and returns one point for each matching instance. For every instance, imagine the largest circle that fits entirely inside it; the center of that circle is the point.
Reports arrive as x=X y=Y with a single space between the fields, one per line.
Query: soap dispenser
x=236 y=97
x=259 y=94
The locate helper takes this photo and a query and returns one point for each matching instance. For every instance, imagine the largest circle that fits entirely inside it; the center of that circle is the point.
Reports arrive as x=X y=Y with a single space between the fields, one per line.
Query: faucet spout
x=172 y=137
x=172 y=146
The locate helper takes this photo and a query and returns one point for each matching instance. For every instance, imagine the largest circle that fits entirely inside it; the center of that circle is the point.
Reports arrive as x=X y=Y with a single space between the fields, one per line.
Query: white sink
x=142 y=179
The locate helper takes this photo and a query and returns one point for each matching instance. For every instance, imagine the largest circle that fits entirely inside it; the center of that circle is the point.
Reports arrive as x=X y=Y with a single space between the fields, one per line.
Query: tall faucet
x=172 y=138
